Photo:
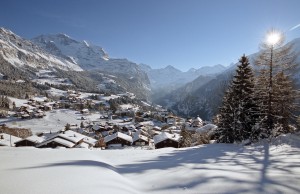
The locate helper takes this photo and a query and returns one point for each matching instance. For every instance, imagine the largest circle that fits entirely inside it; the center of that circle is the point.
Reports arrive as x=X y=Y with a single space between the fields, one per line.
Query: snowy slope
x=215 y=168
x=20 y=52
x=76 y=52
x=86 y=55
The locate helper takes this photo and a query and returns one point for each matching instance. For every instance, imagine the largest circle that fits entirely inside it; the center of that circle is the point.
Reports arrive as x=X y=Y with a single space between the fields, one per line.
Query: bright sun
x=273 y=38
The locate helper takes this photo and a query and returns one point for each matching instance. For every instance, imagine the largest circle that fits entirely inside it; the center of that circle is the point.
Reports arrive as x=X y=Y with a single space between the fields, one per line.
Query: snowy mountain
x=20 y=52
x=90 y=64
x=93 y=58
x=85 y=55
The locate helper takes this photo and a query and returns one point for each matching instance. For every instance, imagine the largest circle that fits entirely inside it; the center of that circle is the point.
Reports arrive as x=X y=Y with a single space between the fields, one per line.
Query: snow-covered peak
x=171 y=68
x=21 y=52
x=88 y=56
x=6 y=31
x=192 y=70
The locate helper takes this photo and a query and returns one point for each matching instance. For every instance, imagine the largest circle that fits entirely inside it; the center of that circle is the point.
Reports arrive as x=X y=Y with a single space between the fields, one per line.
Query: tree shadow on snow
x=211 y=163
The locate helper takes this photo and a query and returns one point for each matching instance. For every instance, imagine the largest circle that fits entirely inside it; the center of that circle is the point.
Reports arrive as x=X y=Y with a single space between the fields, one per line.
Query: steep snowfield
x=87 y=56
x=214 y=168
x=20 y=52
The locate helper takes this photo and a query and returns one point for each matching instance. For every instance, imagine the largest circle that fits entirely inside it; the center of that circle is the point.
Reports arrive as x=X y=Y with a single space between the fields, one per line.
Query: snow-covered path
x=215 y=168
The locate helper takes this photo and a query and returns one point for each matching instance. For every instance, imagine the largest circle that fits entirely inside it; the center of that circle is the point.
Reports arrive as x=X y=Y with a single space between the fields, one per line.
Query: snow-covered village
x=152 y=97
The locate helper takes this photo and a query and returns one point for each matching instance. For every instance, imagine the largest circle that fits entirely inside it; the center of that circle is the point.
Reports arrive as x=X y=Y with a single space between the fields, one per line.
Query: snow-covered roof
x=198 y=119
x=40 y=98
x=90 y=141
x=137 y=135
x=164 y=135
x=58 y=140
x=206 y=128
x=7 y=139
x=118 y=134
x=34 y=138
x=83 y=145
x=96 y=127
x=157 y=128
x=72 y=136
x=68 y=136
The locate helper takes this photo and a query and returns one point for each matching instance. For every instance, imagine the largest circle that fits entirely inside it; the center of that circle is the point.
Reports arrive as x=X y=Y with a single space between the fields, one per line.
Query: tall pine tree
x=273 y=59
x=239 y=112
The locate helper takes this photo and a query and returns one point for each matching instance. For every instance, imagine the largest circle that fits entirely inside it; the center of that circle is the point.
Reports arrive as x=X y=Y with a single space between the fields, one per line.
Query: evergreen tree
x=247 y=110
x=67 y=127
x=239 y=114
x=225 y=132
x=274 y=58
x=284 y=104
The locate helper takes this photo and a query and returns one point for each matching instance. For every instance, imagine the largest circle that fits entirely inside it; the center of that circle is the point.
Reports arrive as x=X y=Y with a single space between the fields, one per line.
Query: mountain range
x=88 y=67
x=59 y=51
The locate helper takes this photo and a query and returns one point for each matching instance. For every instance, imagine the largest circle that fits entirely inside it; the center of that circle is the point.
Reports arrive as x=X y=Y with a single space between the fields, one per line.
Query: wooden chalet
x=139 y=139
x=118 y=139
x=30 y=141
x=197 y=122
x=166 y=140
x=8 y=140
x=68 y=139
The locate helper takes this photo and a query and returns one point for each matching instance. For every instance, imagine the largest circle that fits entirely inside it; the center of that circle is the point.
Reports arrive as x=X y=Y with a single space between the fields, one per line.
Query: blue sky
x=182 y=33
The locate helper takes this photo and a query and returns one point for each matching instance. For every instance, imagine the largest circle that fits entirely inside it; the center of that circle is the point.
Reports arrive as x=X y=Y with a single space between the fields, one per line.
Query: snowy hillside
x=214 y=168
x=21 y=53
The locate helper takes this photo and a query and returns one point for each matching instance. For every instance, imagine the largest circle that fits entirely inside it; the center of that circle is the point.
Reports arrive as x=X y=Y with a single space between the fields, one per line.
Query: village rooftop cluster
x=100 y=126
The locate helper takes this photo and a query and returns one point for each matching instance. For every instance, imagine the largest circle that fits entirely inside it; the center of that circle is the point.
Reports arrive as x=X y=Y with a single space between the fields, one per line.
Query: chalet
x=166 y=140
x=56 y=142
x=30 y=141
x=8 y=140
x=117 y=140
x=68 y=139
x=197 y=122
x=209 y=129
x=85 y=111
x=139 y=139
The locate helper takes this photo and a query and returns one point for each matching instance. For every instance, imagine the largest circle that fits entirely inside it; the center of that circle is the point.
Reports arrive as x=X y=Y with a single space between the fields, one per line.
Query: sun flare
x=273 y=38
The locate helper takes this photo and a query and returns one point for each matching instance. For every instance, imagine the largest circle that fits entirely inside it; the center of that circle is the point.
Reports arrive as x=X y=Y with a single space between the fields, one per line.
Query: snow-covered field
x=54 y=120
x=214 y=168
